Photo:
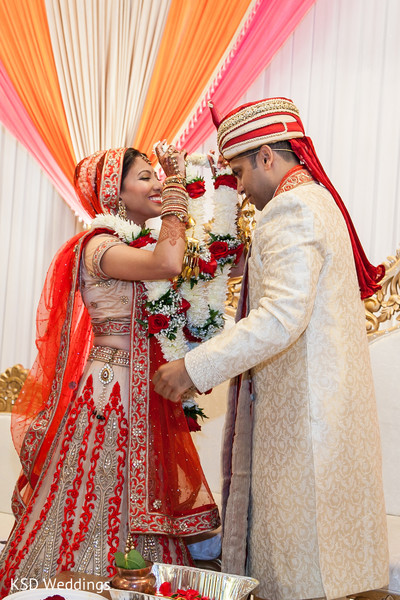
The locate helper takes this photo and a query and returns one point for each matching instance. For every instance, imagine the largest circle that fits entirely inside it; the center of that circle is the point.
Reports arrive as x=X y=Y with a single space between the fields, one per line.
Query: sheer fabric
x=267 y=28
x=17 y=120
x=26 y=52
x=63 y=339
x=172 y=477
x=189 y=53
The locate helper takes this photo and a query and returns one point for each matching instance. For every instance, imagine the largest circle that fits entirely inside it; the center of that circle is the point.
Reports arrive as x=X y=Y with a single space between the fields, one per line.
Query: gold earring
x=122 y=210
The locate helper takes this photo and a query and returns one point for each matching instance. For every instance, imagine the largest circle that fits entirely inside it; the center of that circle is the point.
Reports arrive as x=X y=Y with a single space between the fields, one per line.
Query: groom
x=301 y=430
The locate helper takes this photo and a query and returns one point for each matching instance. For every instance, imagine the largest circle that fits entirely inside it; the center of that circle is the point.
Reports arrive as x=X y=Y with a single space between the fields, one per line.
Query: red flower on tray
x=190 y=594
x=165 y=589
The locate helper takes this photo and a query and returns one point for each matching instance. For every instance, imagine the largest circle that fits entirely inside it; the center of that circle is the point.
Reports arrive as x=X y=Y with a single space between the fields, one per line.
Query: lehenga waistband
x=111 y=327
x=112 y=356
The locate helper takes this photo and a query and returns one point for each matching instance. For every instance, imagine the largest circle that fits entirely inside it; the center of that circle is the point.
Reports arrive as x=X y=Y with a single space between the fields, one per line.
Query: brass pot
x=136 y=580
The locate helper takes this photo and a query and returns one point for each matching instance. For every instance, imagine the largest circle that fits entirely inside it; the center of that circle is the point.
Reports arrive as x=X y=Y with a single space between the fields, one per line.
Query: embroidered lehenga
x=106 y=461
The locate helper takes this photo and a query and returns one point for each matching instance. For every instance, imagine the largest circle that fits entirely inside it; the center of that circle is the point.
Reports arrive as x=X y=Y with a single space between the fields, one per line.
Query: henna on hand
x=172 y=229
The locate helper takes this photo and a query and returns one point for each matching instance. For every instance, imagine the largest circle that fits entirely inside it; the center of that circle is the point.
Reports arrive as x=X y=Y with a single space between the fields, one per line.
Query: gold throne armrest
x=11 y=382
x=382 y=310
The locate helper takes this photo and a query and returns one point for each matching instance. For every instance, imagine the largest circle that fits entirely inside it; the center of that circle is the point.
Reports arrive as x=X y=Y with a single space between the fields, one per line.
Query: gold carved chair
x=11 y=382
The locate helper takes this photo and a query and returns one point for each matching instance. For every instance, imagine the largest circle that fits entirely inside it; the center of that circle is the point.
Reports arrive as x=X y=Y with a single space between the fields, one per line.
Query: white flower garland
x=127 y=231
x=171 y=319
x=225 y=211
x=164 y=299
x=207 y=293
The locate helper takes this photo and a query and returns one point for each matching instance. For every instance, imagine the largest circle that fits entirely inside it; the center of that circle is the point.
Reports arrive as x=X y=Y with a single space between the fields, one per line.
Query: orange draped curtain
x=27 y=55
x=196 y=35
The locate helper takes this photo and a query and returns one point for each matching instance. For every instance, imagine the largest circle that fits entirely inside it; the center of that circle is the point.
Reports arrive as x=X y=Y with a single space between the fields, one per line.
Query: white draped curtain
x=104 y=52
x=340 y=67
x=34 y=222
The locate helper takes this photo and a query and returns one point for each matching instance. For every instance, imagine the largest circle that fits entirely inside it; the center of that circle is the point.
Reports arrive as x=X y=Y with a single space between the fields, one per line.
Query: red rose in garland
x=157 y=323
x=184 y=306
x=195 y=189
x=208 y=267
x=219 y=249
x=238 y=251
x=142 y=241
x=227 y=180
x=192 y=424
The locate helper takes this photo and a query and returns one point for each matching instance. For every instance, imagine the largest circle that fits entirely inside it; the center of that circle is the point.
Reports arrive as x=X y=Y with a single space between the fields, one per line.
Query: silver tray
x=215 y=585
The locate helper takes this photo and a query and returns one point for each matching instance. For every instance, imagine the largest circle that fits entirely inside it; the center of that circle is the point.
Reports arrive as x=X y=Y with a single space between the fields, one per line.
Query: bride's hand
x=216 y=165
x=171 y=160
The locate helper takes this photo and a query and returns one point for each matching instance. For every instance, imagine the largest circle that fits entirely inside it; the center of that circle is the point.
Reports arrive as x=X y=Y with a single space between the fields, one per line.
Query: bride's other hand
x=171 y=160
x=216 y=165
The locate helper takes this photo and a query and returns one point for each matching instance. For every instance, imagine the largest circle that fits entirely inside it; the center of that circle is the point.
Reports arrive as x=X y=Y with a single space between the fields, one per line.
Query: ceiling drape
x=196 y=36
x=92 y=74
x=268 y=26
x=17 y=120
x=105 y=53
x=26 y=53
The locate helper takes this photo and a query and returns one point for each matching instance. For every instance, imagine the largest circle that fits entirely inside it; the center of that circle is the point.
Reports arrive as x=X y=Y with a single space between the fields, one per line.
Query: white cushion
x=10 y=467
x=385 y=359
x=6 y=524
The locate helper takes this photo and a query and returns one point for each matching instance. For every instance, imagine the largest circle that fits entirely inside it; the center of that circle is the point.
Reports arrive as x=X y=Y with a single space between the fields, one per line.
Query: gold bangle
x=175 y=179
x=183 y=218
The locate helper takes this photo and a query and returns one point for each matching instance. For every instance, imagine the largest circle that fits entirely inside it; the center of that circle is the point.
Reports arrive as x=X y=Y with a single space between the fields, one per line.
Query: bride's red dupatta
x=63 y=340
x=172 y=493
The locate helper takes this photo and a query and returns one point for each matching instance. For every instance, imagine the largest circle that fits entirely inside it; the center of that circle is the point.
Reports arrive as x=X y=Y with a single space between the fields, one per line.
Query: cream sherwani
x=317 y=523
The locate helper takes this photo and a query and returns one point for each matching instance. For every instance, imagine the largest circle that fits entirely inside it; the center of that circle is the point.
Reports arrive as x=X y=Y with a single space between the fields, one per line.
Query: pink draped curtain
x=267 y=28
x=15 y=117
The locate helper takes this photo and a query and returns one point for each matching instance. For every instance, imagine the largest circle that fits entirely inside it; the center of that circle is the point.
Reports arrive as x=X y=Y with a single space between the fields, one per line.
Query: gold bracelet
x=181 y=217
x=175 y=179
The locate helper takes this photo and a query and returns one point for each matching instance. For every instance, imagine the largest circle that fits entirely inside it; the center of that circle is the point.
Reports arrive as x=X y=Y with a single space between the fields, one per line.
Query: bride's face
x=141 y=192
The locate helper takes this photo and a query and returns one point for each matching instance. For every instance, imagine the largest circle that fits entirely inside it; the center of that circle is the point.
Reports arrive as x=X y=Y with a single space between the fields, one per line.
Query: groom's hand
x=172 y=380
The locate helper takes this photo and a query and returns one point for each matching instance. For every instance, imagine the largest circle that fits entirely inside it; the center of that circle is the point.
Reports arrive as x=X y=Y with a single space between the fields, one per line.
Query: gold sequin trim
x=112 y=356
x=249 y=113
x=98 y=255
x=111 y=327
